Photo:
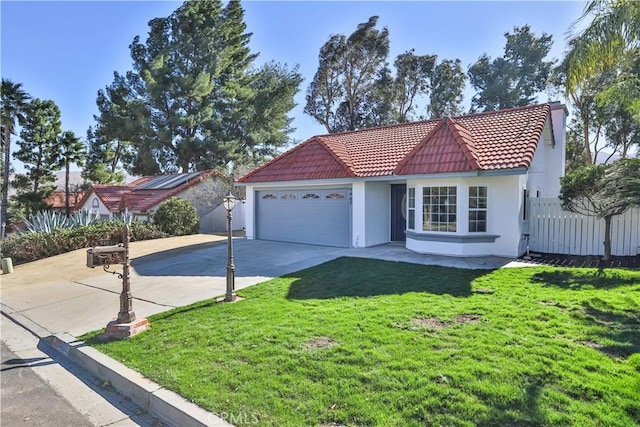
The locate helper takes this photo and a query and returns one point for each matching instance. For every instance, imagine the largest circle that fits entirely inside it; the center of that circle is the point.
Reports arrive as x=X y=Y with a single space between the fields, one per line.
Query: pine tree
x=72 y=150
x=39 y=151
x=190 y=100
x=514 y=79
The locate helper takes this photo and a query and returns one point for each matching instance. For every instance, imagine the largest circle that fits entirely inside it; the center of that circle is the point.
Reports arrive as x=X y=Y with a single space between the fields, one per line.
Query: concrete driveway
x=61 y=295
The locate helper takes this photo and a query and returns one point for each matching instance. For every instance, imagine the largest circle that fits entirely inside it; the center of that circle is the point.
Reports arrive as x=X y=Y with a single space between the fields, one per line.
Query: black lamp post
x=229 y=201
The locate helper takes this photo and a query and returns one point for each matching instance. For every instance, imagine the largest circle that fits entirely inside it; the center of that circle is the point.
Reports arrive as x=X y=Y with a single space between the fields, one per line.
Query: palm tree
x=72 y=150
x=610 y=38
x=14 y=100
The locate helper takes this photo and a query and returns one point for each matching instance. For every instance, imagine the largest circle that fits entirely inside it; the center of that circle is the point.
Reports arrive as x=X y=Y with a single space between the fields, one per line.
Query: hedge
x=29 y=247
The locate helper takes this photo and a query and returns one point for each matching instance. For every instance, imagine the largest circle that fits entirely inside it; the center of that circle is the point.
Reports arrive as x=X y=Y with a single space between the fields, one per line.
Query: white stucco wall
x=503 y=210
x=205 y=195
x=249 y=213
x=548 y=162
x=377 y=212
x=358 y=209
x=101 y=209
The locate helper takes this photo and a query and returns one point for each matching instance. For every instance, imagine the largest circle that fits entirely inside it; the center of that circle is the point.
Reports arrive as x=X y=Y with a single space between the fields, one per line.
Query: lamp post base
x=235 y=298
x=118 y=331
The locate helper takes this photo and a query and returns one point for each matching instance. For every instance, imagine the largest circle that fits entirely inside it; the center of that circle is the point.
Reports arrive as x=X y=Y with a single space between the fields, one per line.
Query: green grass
x=367 y=342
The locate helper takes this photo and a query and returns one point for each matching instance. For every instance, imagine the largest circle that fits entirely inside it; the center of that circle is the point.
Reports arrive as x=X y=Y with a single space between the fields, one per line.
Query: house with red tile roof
x=57 y=200
x=452 y=186
x=142 y=197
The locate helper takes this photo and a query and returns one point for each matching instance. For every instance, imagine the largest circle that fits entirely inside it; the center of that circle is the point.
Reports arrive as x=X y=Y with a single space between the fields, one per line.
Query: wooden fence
x=555 y=231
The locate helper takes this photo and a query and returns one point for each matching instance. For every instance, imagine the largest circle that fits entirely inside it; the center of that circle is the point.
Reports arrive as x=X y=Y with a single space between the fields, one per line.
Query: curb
x=171 y=408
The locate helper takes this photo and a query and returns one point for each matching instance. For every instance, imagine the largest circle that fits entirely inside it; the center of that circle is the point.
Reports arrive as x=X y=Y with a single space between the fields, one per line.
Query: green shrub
x=29 y=247
x=177 y=217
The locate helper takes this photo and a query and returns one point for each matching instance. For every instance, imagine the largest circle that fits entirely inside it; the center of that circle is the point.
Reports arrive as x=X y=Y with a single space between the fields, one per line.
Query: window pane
x=477 y=209
x=439 y=208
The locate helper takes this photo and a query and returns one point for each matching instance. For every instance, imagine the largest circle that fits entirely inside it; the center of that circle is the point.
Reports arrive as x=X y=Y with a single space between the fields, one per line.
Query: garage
x=310 y=216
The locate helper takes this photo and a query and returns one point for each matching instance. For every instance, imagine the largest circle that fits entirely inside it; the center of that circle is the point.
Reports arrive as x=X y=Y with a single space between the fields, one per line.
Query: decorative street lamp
x=229 y=201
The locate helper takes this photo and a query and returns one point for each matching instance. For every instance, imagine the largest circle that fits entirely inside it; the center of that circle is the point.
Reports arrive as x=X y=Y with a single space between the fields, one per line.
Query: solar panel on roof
x=168 y=181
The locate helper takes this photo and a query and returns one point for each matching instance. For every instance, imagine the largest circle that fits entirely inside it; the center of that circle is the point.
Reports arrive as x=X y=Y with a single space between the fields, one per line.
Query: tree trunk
x=66 y=191
x=585 y=122
x=607 y=238
x=5 y=178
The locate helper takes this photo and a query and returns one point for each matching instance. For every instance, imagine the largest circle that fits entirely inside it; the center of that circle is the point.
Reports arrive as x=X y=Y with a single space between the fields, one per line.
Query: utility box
x=97 y=257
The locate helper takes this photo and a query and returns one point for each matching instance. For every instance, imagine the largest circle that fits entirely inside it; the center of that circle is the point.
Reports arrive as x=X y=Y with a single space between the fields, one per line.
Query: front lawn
x=368 y=342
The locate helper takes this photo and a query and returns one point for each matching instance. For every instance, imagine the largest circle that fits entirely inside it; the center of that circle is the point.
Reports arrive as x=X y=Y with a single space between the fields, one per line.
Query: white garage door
x=315 y=217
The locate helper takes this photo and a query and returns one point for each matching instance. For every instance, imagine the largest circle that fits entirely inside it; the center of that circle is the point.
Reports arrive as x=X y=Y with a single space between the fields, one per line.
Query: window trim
x=411 y=210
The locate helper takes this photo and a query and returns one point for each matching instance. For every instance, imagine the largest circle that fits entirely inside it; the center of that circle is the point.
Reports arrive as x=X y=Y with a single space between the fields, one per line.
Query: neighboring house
x=57 y=200
x=142 y=197
x=452 y=186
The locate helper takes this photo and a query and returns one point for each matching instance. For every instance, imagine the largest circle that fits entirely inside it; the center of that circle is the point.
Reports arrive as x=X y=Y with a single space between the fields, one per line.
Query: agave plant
x=126 y=218
x=46 y=222
x=83 y=218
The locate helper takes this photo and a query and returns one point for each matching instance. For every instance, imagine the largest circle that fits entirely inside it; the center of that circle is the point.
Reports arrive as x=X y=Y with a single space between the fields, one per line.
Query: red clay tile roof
x=57 y=199
x=110 y=195
x=449 y=147
x=504 y=139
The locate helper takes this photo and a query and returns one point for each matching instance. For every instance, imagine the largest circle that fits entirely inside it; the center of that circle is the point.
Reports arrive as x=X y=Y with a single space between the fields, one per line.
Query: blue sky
x=66 y=51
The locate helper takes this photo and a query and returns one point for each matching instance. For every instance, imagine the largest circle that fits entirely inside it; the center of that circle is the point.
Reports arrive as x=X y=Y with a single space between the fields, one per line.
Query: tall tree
x=413 y=78
x=603 y=191
x=187 y=102
x=103 y=164
x=448 y=82
x=39 y=151
x=252 y=141
x=72 y=150
x=348 y=70
x=354 y=87
x=514 y=79
x=14 y=101
x=611 y=37
x=119 y=124
x=604 y=104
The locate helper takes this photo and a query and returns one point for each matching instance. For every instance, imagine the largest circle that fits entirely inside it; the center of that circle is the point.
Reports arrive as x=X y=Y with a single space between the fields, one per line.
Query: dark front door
x=398 y=212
